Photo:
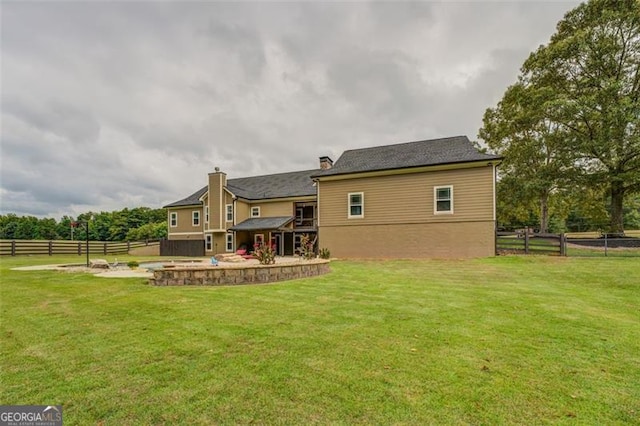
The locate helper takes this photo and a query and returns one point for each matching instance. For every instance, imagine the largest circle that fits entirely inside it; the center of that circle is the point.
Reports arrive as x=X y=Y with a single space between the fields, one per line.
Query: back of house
x=431 y=198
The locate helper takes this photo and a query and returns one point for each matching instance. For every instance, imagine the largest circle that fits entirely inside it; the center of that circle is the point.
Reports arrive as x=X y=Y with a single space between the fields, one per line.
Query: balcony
x=305 y=214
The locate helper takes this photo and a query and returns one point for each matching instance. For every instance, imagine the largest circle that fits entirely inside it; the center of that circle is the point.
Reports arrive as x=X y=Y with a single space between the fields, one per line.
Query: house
x=432 y=198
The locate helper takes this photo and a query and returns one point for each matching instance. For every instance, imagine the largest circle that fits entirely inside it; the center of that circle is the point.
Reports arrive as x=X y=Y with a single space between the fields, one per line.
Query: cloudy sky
x=107 y=105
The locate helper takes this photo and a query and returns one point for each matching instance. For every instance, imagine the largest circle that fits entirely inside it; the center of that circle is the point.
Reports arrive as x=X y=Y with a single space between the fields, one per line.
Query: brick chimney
x=326 y=163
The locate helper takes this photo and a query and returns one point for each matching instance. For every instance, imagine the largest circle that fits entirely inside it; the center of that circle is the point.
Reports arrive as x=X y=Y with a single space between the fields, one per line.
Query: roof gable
x=457 y=149
x=191 y=200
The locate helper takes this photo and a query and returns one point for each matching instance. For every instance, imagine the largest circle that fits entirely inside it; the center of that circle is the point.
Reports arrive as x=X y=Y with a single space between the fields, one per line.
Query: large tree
x=536 y=162
x=589 y=74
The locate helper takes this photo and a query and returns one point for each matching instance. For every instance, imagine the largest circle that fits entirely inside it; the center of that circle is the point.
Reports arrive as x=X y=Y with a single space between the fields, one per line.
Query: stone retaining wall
x=236 y=275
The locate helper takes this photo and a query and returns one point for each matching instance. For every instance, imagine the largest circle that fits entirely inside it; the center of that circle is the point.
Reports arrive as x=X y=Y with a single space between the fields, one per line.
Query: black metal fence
x=604 y=246
x=525 y=241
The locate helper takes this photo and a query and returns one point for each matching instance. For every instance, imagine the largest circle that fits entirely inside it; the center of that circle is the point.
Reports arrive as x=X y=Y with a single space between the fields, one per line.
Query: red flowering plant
x=265 y=253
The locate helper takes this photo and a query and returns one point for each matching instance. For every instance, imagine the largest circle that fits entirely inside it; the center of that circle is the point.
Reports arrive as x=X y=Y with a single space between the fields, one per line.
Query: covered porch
x=278 y=231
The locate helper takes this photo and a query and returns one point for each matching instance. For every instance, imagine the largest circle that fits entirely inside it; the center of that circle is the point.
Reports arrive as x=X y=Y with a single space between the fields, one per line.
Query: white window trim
x=226 y=212
x=195 y=213
x=300 y=218
x=257 y=209
x=358 y=216
x=173 y=215
x=209 y=242
x=226 y=242
x=435 y=199
x=255 y=238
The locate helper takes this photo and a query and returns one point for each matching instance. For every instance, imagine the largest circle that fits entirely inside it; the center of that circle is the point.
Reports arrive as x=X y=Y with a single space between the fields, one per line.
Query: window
x=356 y=205
x=209 y=241
x=195 y=218
x=255 y=211
x=299 y=215
x=229 y=242
x=443 y=199
x=229 y=212
x=173 y=219
x=258 y=239
x=206 y=214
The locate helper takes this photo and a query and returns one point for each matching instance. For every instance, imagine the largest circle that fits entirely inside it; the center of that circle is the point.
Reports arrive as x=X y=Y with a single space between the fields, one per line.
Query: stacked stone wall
x=237 y=275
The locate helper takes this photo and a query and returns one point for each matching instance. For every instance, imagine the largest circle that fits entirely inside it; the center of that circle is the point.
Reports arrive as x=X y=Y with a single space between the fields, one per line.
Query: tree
x=588 y=81
x=536 y=162
x=592 y=64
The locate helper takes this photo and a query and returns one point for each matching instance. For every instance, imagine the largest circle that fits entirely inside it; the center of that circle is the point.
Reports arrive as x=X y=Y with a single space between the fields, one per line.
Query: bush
x=265 y=254
x=324 y=253
x=306 y=247
x=133 y=264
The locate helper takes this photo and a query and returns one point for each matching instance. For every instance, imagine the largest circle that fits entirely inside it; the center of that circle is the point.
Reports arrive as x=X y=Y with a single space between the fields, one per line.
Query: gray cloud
x=107 y=105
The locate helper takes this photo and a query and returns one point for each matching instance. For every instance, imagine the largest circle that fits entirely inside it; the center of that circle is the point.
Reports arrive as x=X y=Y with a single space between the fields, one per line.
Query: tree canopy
x=570 y=124
x=140 y=223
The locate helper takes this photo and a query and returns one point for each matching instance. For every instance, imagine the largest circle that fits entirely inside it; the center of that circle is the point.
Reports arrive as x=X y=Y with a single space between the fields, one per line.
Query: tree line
x=569 y=128
x=137 y=224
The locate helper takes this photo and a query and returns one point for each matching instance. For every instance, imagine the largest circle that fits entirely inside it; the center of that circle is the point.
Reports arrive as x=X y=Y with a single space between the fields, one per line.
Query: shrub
x=132 y=264
x=324 y=253
x=265 y=254
x=306 y=247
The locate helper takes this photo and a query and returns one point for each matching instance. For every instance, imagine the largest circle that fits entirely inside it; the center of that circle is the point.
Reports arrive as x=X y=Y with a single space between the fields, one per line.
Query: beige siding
x=185 y=229
x=435 y=240
x=242 y=211
x=409 y=198
x=228 y=199
x=216 y=200
x=278 y=208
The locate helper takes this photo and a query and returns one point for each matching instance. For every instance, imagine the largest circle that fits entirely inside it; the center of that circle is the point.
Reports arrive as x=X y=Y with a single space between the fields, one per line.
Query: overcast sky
x=107 y=105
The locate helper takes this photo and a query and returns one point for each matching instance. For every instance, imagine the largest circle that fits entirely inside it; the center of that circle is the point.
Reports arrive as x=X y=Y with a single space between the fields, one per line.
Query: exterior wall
x=243 y=210
x=216 y=198
x=185 y=229
x=277 y=208
x=408 y=198
x=406 y=241
x=399 y=219
x=228 y=199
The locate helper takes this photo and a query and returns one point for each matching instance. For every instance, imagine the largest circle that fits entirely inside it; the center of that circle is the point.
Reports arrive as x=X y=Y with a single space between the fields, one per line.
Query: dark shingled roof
x=457 y=149
x=281 y=185
x=262 y=223
x=191 y=200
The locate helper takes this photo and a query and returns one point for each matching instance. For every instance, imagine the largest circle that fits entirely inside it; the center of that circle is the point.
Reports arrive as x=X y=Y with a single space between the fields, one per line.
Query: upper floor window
x=255 y=211
x=195 y=218
x=356 y=205
x=206 y=214
x=443 y=199
x=229 y=212
x=173 y=219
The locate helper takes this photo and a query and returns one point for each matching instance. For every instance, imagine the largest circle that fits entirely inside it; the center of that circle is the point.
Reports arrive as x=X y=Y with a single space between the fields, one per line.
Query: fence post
x=605 y=245
x=526 y=240
x=105 y=249
x=13 y=247
x=50 y=248
x=79 y=248
x=563 y=245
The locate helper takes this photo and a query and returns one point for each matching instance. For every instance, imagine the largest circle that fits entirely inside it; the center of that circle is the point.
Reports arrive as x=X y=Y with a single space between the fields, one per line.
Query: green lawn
x=507 y=340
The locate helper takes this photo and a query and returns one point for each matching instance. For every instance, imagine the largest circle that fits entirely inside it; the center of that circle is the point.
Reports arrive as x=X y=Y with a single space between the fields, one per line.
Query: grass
x=507 y=340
